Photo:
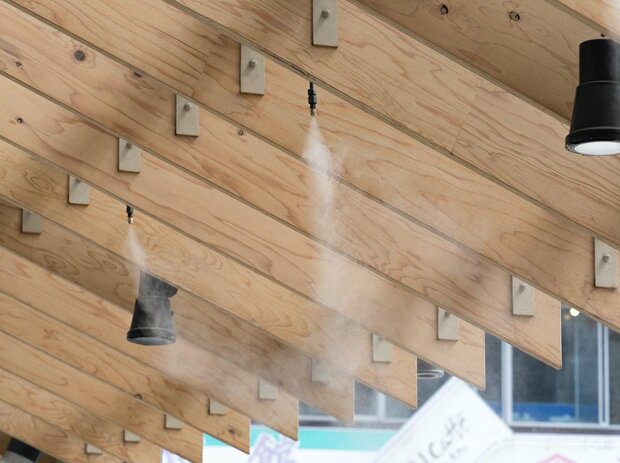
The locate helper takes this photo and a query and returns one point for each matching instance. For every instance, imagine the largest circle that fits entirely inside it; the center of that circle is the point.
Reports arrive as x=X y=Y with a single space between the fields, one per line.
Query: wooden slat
x=199 y=322
x=174 y=257
x=600 y=13
x=296 y=260
x=108 y=365
x=74 y=420
x=47 y=438
x=199 y=369
x=536 y=56
x=412 y=177
x=100 y=398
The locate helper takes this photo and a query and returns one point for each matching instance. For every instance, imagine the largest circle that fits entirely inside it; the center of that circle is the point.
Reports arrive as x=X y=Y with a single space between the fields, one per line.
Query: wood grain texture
x=265 y=177
x=110 y=366
x=101 y=399
x=174 y=257
x=408 y=175
x=74 y=420
x=199 y=369
x=47 y=438
x=199 y=322
x=601 y=13
x=537 y=56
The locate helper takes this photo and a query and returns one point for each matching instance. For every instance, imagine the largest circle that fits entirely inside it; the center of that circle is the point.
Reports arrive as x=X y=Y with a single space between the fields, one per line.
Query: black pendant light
x=152 y=323
x=19 y=452
x=595 y=126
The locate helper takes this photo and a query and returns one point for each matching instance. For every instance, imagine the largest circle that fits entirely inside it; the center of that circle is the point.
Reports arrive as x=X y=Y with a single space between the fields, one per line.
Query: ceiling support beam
x=74 y=420
x=218 y=219
x=199 y=322
x=423 y=183
x=199 y=369
x=45 y=437
x=36 y=327
x=86 y=391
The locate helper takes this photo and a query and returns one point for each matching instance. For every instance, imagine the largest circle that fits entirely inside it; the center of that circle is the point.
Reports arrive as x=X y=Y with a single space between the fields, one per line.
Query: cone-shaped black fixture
x=595 y=126
x=428 y=371
x=152 y=315
x=19 y=452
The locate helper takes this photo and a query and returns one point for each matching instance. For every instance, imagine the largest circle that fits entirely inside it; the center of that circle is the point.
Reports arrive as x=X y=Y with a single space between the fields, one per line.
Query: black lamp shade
x=428 y=371
x=595 y=125
x=19 y=452
x=152 y=323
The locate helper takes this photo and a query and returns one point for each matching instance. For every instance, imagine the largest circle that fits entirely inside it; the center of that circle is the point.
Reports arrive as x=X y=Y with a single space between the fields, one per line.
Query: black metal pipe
x=312 y=99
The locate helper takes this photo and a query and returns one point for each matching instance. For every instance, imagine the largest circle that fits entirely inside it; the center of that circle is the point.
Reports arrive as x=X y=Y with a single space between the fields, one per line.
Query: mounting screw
x=522 y=287
x=253 y=63
x=137 y=73
x=129 y=145
x=79 y=55
x=326 y=13
x=19 y=120
x=514 y=16
x=18 y=64
x=606 y=257
x=187 y=106
x=444 y=9
x=240 y=132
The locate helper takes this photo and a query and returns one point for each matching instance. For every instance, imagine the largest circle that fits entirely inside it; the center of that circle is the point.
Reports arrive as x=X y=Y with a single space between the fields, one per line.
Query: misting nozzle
x=129 y=214
x=312 y=99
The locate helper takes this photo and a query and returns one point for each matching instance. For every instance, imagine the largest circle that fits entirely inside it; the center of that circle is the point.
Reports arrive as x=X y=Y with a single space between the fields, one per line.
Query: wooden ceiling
x=445 y=124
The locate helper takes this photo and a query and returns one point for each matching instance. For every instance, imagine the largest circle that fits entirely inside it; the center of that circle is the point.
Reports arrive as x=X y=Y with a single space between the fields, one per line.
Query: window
x=614 y=378
x=493 y=392
x=569 y=395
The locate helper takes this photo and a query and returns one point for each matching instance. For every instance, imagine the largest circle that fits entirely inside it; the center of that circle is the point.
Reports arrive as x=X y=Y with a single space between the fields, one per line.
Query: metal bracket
x=320 y=371
x=131 y=438
x=325 y=23
x=170 y=422
x=605 y=265
x=381 y=350
x=31 y=222
x=92 y=450
x=447 y=325
x=79 y=191
x=251 y=71
x=522 y=298
x=266 y=391
x=217 y=408
x=129 y=157
x=188 y=117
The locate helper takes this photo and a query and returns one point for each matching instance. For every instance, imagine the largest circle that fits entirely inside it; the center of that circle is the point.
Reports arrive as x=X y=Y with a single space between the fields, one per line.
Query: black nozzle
x=129 y=210
x=312 y=99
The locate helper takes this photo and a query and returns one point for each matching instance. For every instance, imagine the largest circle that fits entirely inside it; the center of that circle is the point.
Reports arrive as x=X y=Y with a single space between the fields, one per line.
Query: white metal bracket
x=31 y=222
x=325 y=23
x=217 y=408
x=447 y=326
x=251 y=71
x=129 y=157
x=130 y=438
x=320 y=371
x=381 y=350
x=522 y=298
x=266 y=391
x=79 y=191
x=605 y=265
x=170 y=422
x=188 y=117
x=92 y=450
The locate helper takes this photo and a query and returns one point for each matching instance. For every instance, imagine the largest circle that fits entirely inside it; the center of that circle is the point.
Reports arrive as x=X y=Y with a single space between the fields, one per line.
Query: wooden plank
x=199 y=369
x=47 y=438
x=361 y=210
x=294 y=260
x=396 y=169
x=110 y=366
x=603 y=14
x=537 y=55
x=199 y=322
x=74 y=420
x=84 y=390
x=171 y=255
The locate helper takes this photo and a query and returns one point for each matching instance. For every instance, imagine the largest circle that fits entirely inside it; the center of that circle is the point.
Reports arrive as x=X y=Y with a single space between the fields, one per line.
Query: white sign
x=454 y=426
